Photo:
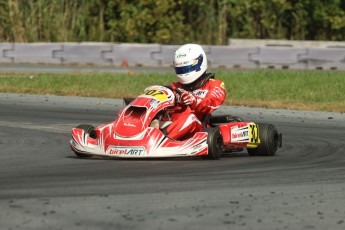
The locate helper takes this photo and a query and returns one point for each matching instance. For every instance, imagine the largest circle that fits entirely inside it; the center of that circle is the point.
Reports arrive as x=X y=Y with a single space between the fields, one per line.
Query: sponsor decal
x=197 y=146
x=181 y=55
x=239 y=134
x=200 y=93
x=182 y=63
x=128 y=151
x=129 y=124
x=154 y=103
x=222 y=85
x=157 y=94
x=254 y=133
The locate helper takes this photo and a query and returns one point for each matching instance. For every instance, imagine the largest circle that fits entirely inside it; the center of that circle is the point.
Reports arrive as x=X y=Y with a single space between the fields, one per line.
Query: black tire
x=92 y=133
x=215 y=143
x=269 y=141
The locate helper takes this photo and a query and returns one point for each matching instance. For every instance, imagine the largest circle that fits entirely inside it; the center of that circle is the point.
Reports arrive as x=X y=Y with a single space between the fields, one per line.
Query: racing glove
x=187 y=98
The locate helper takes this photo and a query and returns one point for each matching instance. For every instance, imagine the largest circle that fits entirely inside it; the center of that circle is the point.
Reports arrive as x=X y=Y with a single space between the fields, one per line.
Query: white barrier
x=156 y=55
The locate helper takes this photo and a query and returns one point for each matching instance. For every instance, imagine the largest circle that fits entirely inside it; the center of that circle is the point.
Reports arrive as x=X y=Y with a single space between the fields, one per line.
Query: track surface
x=44 y=186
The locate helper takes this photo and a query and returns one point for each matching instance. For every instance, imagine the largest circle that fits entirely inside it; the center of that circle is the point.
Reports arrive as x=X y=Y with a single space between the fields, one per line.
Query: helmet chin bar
x=198 y=83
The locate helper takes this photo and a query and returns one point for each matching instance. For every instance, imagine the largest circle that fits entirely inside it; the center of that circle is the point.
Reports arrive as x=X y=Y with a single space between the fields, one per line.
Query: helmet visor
x=190 y=68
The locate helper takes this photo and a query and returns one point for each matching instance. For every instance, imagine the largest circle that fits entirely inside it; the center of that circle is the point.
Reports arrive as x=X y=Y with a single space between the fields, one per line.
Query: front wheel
x=269 y=141
x=89 y=129
x=215 y=143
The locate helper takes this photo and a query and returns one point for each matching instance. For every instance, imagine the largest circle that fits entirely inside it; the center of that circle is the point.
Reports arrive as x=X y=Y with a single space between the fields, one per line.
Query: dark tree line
x=170 y=22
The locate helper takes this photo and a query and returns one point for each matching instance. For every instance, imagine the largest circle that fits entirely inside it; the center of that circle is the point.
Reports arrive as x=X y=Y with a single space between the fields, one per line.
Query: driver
x=201 y=93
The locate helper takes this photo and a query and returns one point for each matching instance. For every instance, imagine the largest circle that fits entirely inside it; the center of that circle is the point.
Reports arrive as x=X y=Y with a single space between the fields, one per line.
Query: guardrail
x=156 y=55
x=236 y=42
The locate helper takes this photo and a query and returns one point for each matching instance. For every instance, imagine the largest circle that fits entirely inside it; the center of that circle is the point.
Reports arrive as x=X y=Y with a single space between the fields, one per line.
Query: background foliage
x=170 y=22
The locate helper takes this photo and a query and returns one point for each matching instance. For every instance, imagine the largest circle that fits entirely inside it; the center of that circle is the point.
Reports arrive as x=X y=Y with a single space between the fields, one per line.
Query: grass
x=307 y=90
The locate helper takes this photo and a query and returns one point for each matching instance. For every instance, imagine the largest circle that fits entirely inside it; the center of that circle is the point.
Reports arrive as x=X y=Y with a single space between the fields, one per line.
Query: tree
x=170 y=22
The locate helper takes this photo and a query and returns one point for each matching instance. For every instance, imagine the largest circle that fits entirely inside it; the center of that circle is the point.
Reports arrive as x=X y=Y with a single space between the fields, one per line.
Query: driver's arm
x=214 y=98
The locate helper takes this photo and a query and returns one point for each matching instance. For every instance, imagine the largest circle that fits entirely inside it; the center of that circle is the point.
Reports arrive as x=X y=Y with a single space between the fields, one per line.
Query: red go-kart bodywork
x=130 y=135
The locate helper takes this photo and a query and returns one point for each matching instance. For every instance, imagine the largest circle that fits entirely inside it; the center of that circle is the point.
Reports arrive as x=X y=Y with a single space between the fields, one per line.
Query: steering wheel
x=177 y=90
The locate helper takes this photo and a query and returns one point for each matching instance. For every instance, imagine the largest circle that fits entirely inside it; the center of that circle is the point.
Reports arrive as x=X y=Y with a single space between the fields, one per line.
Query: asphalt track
x=44 y=186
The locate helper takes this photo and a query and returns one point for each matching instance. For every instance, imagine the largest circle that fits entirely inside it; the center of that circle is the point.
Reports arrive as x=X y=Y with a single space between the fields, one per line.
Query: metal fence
x=156 y=55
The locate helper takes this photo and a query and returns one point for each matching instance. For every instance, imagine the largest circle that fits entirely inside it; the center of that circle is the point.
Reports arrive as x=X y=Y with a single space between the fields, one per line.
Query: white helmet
x=190 y=63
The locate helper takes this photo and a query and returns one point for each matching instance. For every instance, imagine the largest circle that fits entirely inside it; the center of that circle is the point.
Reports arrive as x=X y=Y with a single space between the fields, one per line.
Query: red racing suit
x=186 y=120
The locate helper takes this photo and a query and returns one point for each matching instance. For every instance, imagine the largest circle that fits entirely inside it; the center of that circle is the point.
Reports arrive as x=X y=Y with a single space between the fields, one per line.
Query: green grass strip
x=308 y=90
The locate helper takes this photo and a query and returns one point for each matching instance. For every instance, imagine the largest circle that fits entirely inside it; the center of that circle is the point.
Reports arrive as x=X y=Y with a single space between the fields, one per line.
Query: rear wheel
x=215 y=143
x=269 y=141
x=89 y=129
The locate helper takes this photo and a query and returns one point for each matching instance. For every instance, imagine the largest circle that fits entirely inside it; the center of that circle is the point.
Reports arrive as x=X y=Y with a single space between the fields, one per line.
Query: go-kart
x=131 y=134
